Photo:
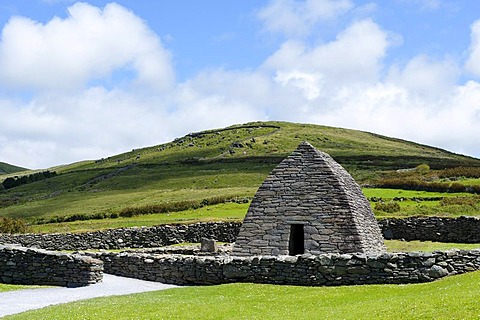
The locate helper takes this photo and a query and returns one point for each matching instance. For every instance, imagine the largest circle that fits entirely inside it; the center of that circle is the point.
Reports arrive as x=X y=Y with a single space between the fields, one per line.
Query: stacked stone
x=460 y=230
x=144 y=237
x=309 y=188
x=19 y=265
x=309 y=270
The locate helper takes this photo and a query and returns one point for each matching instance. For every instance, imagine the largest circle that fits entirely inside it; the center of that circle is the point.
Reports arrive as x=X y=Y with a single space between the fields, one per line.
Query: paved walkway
x=12 y=302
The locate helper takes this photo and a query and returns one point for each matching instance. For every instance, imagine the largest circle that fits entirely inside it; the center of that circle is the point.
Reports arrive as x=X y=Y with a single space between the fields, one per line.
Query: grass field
x=225 y=162
x=222 y=212
x=426 y=246
x=453 y=297
x=236 y=212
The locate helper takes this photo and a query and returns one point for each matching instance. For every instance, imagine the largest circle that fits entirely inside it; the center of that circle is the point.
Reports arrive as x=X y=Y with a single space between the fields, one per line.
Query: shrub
x=467 y=172
x=422 y=168
x=469 y=201
x=389 y=207
x=9 y=225
x=18 y=181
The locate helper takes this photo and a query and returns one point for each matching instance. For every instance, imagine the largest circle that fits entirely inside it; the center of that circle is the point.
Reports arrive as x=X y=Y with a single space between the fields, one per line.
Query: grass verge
x=454 y=297
x=12 y=287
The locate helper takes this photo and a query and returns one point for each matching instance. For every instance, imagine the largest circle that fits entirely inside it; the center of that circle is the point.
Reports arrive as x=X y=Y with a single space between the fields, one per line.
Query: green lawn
x=453 y=297
x=427 y=246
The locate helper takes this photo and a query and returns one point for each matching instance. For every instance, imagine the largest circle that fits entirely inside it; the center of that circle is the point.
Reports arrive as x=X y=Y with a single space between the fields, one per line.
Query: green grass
x=236 y=212
x=469 y=182
x=206 y=165
x=426 y=246
x=12 y=287
x=388 y=194
x=222 y=212
x=453 y=297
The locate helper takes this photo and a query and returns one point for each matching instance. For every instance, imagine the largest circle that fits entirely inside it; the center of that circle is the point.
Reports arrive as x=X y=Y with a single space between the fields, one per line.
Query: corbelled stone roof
x=311 y=201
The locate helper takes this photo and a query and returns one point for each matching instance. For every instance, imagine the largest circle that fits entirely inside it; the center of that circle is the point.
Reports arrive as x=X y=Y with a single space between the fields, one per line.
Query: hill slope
x=6 y=168
x=229 y=162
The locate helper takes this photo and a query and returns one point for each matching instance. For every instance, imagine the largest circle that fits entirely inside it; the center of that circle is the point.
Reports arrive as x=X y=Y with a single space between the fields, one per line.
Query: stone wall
x=144 y=237
x=459 y=230
x=309 y=270
x=19 y=265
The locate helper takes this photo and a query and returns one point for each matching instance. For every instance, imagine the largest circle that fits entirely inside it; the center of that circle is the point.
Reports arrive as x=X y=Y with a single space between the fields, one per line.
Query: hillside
x=224 y=163
x=6 y=168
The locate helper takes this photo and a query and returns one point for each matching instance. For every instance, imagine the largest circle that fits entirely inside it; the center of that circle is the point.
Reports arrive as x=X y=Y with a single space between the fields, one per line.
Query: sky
x=87 y=80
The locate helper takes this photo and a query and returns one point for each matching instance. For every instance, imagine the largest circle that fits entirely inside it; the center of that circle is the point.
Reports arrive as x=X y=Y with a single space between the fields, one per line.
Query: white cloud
x=473 y=62
x=425 y=77
x=336 y=61
x=87 y=45
x=297 y=18
x=310 y=84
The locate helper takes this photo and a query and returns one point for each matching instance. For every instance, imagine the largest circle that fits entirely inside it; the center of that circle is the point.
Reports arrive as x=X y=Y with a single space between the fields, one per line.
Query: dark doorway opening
x=297 y=239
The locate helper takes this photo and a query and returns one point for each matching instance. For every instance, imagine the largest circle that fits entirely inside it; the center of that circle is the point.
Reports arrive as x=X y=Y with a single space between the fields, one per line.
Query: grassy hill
x=206 y=166
x=6 y=168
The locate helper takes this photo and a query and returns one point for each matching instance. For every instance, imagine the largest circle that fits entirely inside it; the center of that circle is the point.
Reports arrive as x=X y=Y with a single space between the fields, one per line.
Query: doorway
x=296 y=243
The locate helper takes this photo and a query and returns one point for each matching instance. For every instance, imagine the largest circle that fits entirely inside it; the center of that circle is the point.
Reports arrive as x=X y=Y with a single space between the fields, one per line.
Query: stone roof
x=309 y=204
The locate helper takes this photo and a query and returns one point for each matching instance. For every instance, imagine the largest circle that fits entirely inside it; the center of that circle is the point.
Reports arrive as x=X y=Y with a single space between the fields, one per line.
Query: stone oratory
x=309 y=204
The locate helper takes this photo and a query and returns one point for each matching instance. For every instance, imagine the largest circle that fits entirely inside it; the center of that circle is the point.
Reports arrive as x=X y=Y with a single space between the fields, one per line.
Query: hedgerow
x=467 y=172
x=420 y=185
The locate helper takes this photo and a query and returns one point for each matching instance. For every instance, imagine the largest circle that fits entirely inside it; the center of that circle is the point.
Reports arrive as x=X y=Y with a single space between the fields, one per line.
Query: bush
x=467 y=172
x=469 y=201
x=422 y=168
x=9 y=225
x=389 y=207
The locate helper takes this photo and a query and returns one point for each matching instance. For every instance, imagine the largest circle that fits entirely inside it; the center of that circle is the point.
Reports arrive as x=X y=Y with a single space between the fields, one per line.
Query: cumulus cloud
x=89 y=44
x=473 y=62
x=297 y=18
x=425 y=77
x=335 y=61
x=310 y=84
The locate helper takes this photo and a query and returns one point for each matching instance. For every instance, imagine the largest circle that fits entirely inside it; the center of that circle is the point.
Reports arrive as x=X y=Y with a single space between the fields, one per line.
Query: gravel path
x=12 y=302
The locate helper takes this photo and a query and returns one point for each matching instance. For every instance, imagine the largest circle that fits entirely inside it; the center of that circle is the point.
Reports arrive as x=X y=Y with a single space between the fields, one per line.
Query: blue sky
x=85 y=80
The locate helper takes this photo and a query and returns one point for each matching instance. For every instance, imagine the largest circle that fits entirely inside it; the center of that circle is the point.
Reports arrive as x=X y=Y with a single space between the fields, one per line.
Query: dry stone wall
x=144 y=237
x=19 y=265
x=309 y=270
x=460 y=230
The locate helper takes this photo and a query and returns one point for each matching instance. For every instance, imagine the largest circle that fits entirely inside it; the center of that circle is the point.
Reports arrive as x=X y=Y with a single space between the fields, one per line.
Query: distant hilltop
x=6 y=168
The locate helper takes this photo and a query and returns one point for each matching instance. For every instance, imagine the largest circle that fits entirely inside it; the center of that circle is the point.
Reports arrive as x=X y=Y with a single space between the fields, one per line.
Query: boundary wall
x=19 y=265
x=140 y=237
x=460 y=230
x=307 y=270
